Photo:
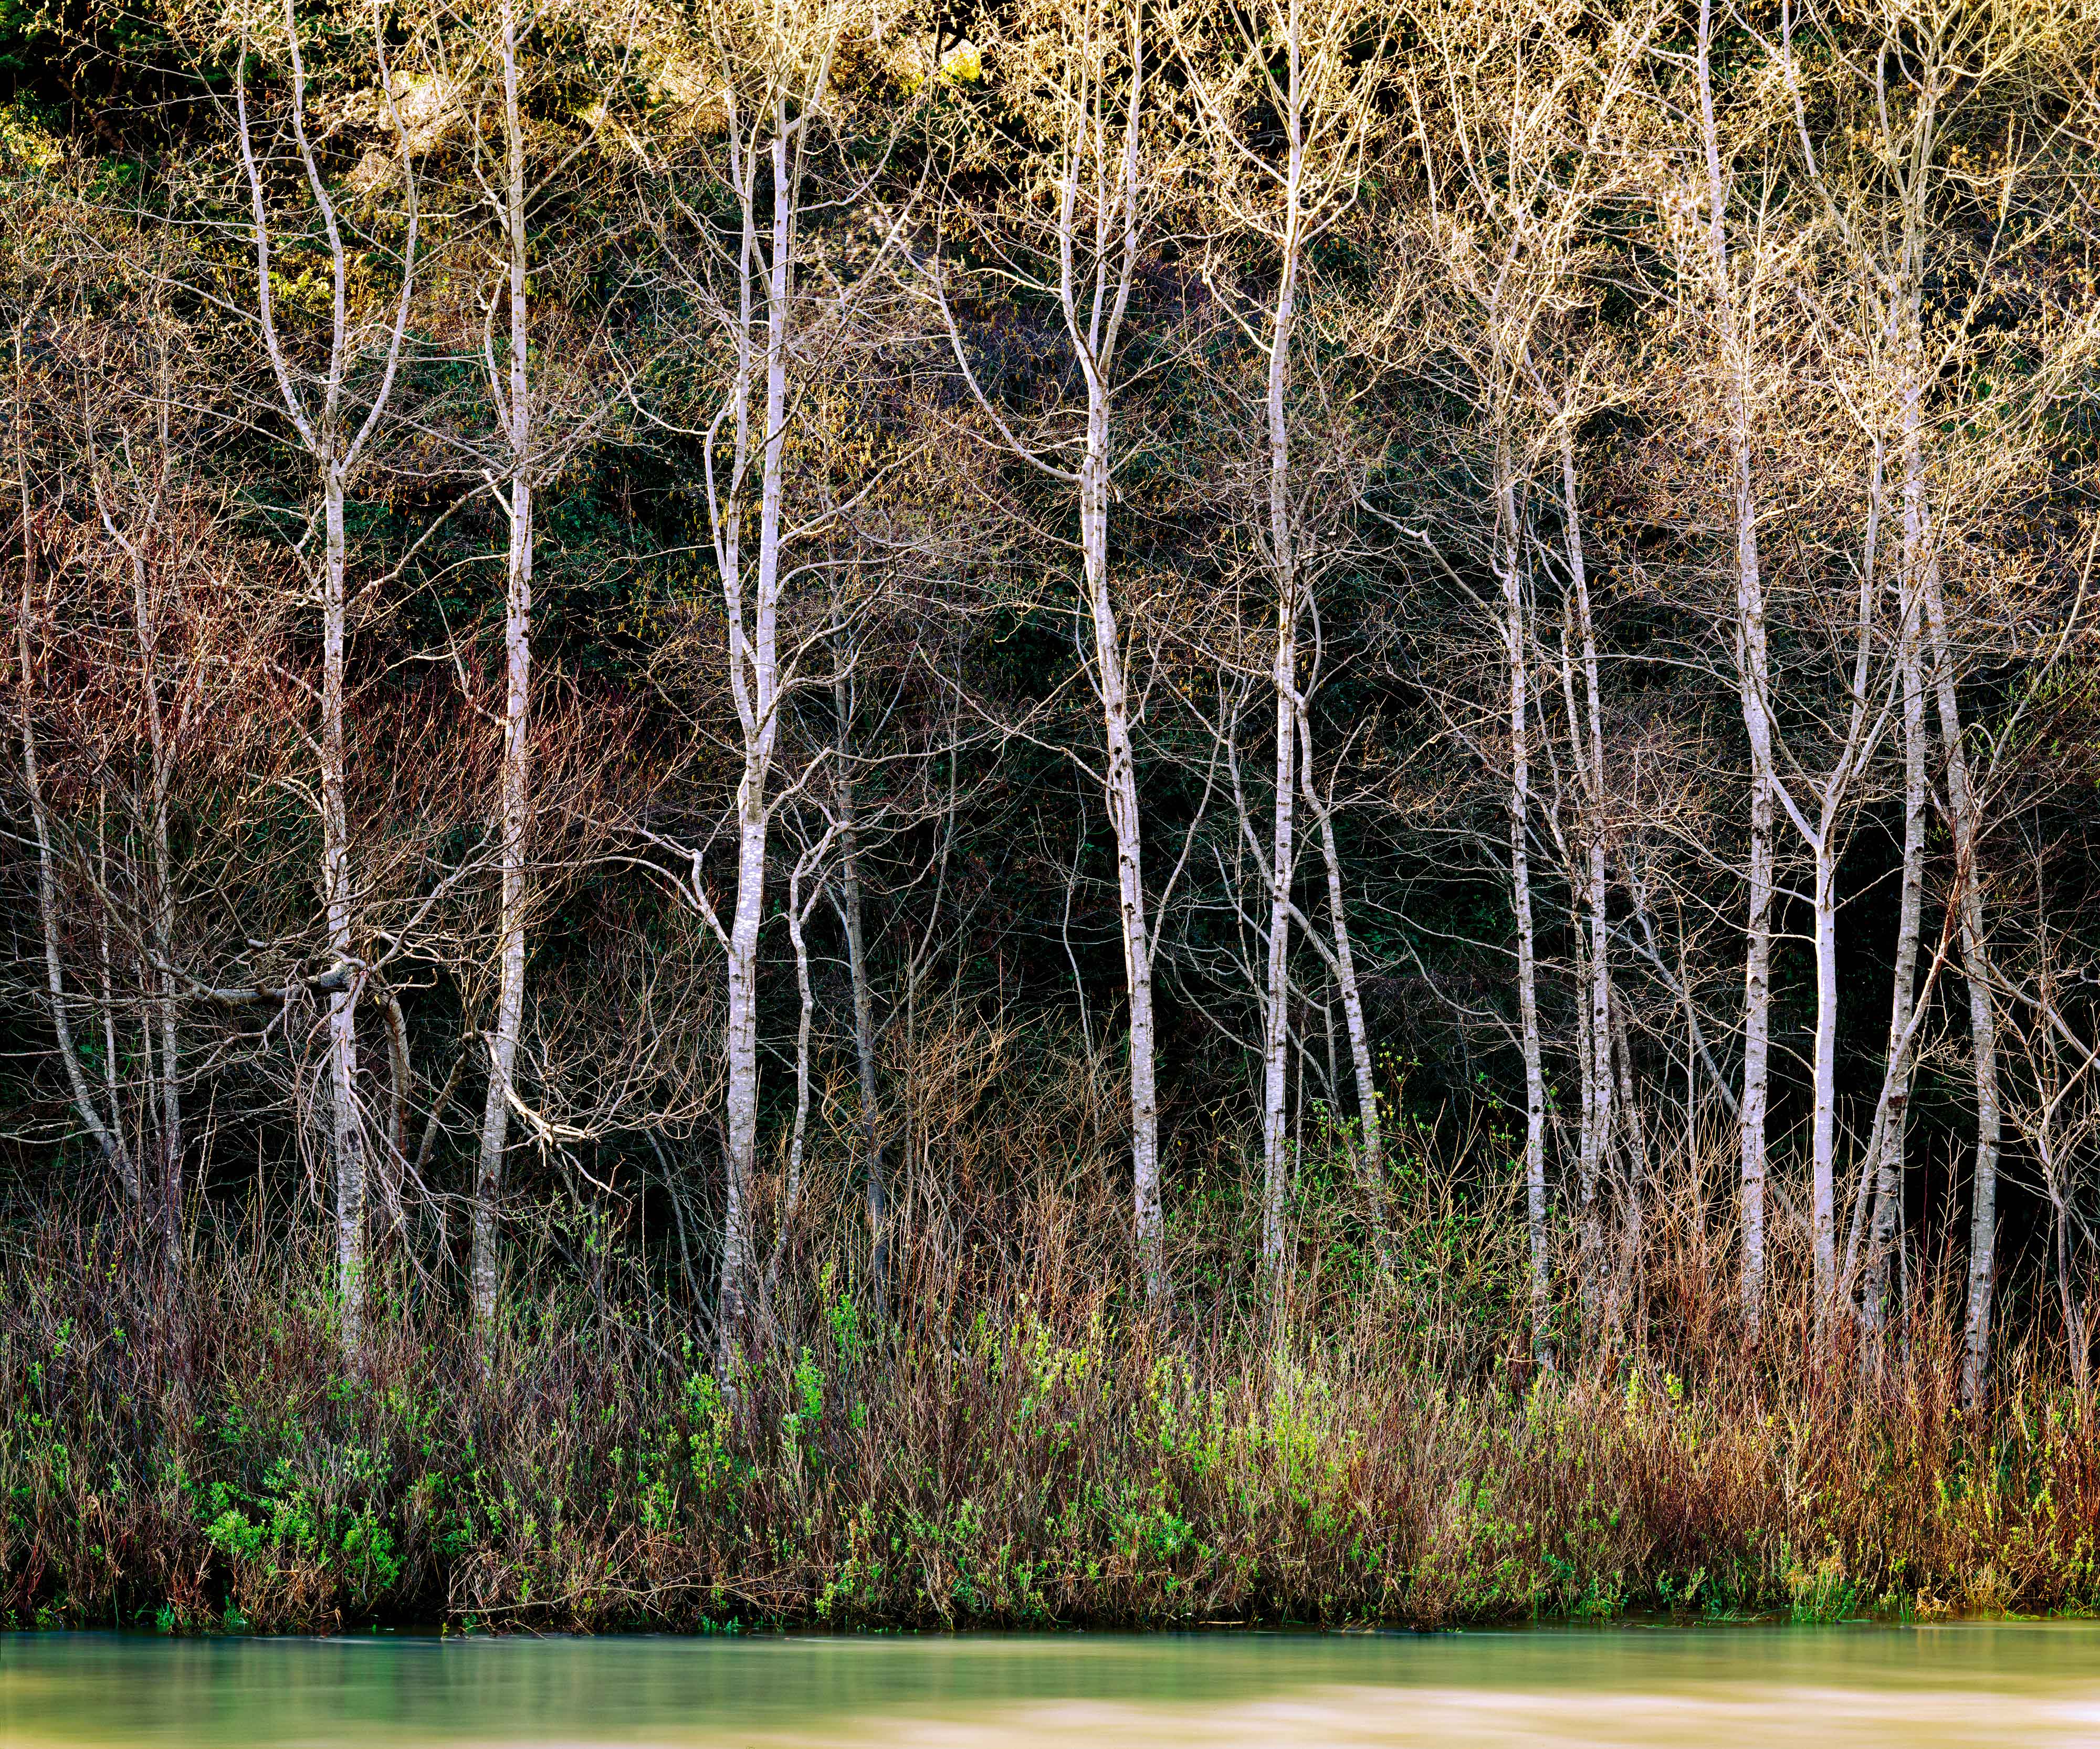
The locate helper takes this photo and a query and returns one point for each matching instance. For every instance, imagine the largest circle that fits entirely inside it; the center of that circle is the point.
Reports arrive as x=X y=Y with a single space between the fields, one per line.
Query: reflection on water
x=2026 y=1683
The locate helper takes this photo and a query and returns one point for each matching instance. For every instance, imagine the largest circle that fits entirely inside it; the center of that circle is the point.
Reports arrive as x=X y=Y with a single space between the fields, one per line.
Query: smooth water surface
x=2029 y=1684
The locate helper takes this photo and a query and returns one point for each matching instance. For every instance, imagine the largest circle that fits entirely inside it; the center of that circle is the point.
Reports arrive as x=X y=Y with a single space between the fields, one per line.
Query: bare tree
x=1087 y=68
x=319 y=401
x=1323 y=94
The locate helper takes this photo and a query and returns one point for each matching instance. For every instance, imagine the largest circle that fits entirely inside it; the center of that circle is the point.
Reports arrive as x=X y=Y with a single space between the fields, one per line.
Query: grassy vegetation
x=202 y=1459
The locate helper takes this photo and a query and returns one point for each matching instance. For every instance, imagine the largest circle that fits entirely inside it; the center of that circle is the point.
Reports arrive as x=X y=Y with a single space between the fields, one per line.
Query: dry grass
x=1015 y=1446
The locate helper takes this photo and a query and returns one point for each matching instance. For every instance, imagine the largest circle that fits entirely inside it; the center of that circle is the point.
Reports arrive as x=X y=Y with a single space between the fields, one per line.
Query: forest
x=1093 y=811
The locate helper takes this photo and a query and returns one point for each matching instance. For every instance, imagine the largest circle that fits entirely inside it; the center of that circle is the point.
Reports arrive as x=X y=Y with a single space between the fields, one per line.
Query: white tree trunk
x=1892 y=1119
x=1112 y=676
x=1370 y=1126
x=514 y=402
x=1283 y=558
x=1823 y=1125
x=873 y=1173
x=346 y=1127
x=1964 y=811
x=321 y=424
x=1752 y=668
x=1586 y=734
x=755 y=660
x=1516 y=635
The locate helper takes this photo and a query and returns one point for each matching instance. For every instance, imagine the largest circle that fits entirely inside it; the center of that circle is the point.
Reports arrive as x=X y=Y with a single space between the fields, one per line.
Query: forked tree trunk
x=322 y=425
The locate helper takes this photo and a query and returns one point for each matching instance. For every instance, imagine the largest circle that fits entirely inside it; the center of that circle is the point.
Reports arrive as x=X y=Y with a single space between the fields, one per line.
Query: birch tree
x=1922 y=83
x=1322 y=96
x=321 y=400
x=1735 y=295
x=1078 y=242
x=1502 y=104
x=777 y=321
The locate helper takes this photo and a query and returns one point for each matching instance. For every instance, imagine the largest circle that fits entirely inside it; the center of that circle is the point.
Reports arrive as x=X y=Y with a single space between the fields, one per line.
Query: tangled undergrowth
x=207 y=1459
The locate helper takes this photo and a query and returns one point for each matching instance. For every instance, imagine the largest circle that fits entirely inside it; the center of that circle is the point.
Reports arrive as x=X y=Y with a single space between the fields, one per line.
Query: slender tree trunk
x=791 y=1200
x=1823 y=1125
x=1276 y=1031
x=1586 y=733
x=1893 y=1118
x=1370 y=1127
x=1757 y=963
x=320 y=425
x=873 y=1172
x=346 y=1127
x=1123 y=808
x=1516 y=635
x=1752 y=667
x=760 y=712
x=1964 y=809
x=514 y=402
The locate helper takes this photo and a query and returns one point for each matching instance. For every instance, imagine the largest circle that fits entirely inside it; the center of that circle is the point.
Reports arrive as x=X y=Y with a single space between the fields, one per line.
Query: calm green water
x=2019 y=1683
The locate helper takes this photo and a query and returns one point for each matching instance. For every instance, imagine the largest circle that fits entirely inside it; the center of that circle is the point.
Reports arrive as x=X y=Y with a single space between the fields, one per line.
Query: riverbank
x=210 y=1462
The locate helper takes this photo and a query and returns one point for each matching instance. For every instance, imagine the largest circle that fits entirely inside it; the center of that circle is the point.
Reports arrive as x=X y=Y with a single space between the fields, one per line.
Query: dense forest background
x=1240 y=657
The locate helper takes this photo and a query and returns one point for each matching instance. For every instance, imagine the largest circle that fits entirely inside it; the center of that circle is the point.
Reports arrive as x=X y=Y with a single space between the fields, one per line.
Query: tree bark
x=1964 y=809
x=1893 y=1117
x=1515 y=635
x=1752 y=667
x=1283 y=558
x=874 y=1174
x=513 y=403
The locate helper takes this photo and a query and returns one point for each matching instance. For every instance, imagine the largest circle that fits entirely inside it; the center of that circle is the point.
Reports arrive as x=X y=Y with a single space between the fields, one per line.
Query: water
x=2030 y=1683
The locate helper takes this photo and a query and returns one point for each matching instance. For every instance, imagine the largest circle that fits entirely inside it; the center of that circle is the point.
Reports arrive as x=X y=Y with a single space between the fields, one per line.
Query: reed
x=1006 y=1446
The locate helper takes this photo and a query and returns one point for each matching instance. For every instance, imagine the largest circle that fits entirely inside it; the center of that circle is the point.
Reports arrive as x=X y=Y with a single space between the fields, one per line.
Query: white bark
x=1343 y=964
x=1096 y=255
x=1753 y=672
x=1965 y=810
x=1825 y=834
x=1895 y=1103
x=1591 y=881
x=513 y=404
x=798 y=918
x=763 y=333
x=1283 y=559
x=873 y=1170
x=1515 y=644
x=325 y=432
x=346 y=1127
